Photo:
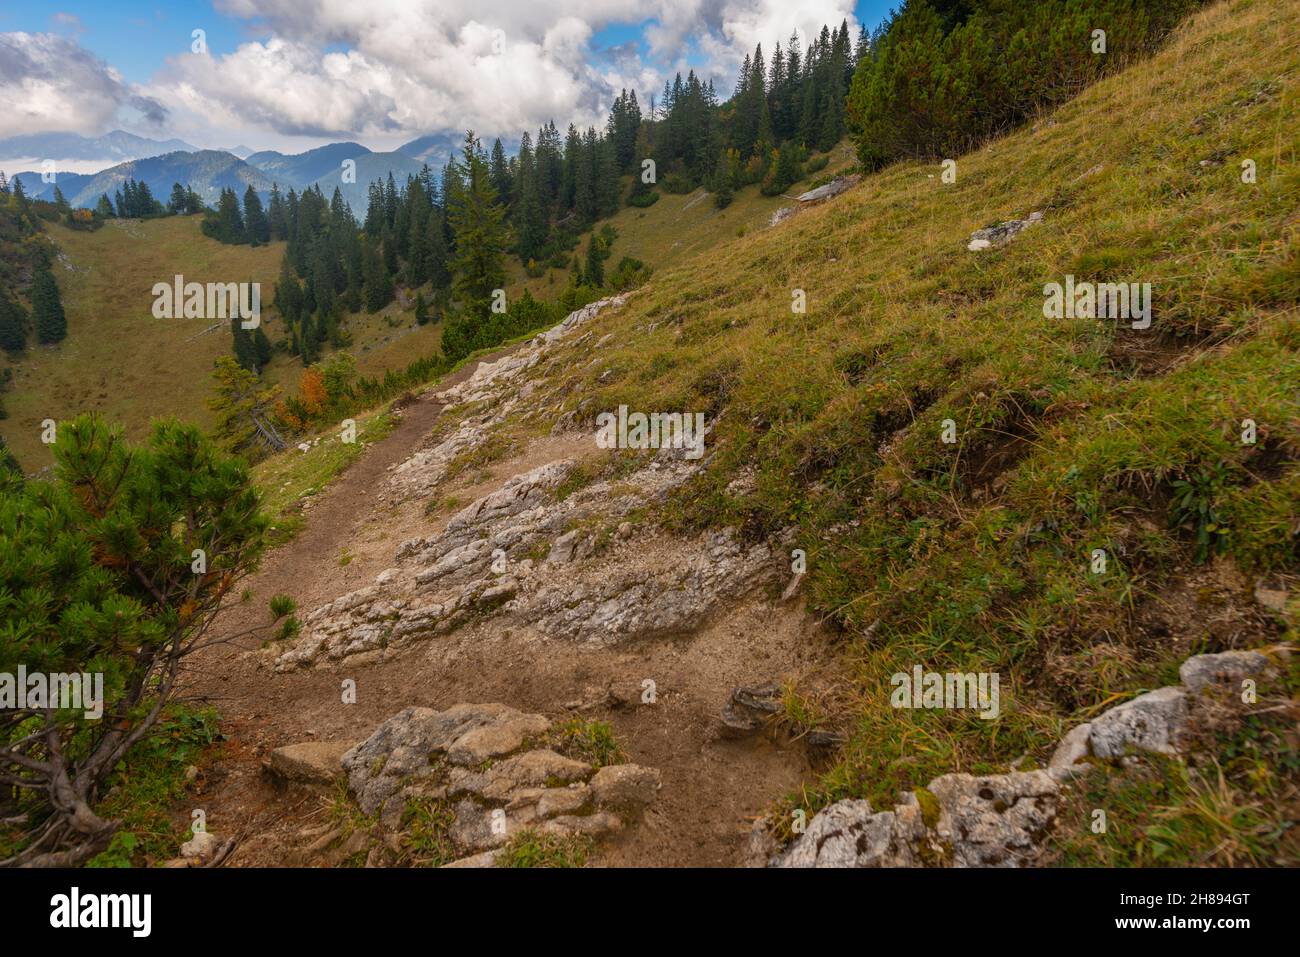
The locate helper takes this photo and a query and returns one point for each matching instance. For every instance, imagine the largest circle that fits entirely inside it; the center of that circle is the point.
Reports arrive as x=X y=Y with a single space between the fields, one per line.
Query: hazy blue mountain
x=301 y=169
x=243 y=152
x=207 y=172
x=115 y=146
x=435 y=148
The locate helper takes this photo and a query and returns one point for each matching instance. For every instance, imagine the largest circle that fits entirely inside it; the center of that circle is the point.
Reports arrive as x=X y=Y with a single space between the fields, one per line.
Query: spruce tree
x=256 y=225
x=13 y=324
x=47 y=308
x=476 y=221
x=595 y=264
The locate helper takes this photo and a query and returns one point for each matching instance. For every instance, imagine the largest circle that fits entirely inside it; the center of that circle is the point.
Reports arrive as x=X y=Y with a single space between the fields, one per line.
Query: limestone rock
x=1150 y=722
x=992 y=237
x=311 y=762
x=850 y=833
x=502 y=736
x=201 y=846
x=1227 y=668
x=995 y=820
x=1072 y=749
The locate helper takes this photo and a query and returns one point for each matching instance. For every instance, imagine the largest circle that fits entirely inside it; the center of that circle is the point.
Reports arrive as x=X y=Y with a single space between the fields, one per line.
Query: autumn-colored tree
x=311 y=391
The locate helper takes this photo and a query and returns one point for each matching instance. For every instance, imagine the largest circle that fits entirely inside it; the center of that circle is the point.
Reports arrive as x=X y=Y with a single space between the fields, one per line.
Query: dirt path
x=711 y=787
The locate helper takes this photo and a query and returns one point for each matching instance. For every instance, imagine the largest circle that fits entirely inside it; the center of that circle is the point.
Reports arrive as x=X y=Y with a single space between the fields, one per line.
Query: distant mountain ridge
x=210 y=171
x=206 y=171
x=117 y=145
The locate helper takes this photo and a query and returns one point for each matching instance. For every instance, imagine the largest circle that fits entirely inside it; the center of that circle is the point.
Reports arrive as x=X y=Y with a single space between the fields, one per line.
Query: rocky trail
x=651 y=635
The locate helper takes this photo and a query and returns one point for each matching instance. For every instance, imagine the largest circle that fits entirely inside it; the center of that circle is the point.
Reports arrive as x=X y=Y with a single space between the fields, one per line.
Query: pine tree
x=47 y=308
x=261 y=347
x=436 y=266
x=499 y=171
x=244 y=350
x=146 y=205
x=378 y=287
x=277 y=216
x=244 y=409
x=227 y=225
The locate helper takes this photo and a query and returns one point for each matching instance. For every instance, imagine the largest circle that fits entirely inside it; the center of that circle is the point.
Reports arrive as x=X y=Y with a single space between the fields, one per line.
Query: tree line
x=942 y=76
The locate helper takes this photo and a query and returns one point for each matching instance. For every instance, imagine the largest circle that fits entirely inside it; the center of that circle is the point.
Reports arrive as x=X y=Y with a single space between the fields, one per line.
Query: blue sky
x=375 y=70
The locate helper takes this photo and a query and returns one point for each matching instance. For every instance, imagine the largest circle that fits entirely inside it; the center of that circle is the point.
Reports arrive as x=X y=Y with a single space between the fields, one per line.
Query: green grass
x=1072 y=435
x=531 y=848
x=149 y=786
x=679 y=227
x=1231 y=802
x=585 y=740
x=117 y=358
x=426 y=838
x=122 y=362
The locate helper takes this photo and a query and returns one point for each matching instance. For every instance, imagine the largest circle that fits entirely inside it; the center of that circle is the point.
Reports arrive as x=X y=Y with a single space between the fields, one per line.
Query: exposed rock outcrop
x=1000 y=820
x=999 y=234
x=525 y=558
x=493 y=767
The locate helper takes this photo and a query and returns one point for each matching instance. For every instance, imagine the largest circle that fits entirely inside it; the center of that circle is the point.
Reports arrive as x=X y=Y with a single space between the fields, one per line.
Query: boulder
x=991 y=237
x=1150 y=722
x=1225 y=669
x=850 y=833
x=312 y=762
x=994 y=820
x=201 y=846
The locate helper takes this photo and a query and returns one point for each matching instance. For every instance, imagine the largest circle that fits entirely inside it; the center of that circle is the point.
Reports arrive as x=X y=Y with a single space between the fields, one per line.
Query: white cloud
x=389 y=70
x=52 y=83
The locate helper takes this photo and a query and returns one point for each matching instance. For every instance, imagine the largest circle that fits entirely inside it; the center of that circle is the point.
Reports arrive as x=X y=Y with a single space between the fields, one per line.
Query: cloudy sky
x=294 y=74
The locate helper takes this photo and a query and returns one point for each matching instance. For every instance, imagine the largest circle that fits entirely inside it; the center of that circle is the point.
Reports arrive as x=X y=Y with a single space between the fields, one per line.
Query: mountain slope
x=118 y=359
x=1071 y=435
x=301 y=169
x=1075 y=505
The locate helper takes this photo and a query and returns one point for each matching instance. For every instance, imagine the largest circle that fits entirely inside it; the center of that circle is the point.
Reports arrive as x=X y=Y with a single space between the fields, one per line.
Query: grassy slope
x=117 y=358
x=122 y=362
x=975 y=556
